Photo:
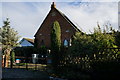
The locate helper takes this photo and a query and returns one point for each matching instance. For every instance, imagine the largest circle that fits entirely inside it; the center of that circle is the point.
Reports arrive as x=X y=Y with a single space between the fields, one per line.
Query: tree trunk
x=7 y=57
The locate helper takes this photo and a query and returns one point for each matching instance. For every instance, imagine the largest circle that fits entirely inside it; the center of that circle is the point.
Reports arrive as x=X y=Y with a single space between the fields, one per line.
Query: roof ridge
x=68 y=20
x=64 y=16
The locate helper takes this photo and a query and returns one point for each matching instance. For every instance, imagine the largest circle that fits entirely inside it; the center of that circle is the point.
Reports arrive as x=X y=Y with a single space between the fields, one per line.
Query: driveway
x=23 y=74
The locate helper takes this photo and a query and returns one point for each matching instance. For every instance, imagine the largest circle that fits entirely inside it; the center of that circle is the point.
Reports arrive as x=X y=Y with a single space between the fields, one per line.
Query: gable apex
x=54 y=12
x=53 y=5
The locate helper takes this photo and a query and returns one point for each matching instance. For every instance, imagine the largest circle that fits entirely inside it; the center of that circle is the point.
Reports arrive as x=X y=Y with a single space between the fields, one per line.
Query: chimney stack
x=53 y=5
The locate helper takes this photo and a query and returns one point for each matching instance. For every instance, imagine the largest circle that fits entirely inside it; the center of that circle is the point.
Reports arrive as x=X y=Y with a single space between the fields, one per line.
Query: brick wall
x=43 y=34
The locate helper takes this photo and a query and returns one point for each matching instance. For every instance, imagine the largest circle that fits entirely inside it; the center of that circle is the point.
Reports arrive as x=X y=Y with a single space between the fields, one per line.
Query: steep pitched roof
x=53 y=6
x=68 y=20
x=29 y=40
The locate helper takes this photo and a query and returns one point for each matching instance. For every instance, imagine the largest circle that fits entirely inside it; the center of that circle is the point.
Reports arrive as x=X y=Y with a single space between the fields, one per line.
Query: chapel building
x=68 y=29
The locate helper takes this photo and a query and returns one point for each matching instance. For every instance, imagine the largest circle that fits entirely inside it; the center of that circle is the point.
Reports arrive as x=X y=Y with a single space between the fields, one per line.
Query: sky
x=26 y=16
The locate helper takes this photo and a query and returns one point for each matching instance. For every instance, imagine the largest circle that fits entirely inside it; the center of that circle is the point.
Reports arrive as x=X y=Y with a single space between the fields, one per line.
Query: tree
x=117 y=38
x=82 y=44
x=12 y=58
x=9 y=38
x=55 y=44
x=88 y=44
x=85 y=50
x=56 y=36
x=105 y=38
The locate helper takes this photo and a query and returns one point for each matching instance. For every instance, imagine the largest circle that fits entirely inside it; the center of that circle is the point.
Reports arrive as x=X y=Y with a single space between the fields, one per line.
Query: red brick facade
x=68 y=29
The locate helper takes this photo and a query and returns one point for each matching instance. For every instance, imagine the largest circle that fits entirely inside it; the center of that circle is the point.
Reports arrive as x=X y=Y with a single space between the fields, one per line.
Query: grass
x=20 y=64
x=31 y=66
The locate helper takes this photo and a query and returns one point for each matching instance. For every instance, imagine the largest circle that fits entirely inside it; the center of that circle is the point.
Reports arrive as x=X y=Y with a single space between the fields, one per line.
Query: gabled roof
x=29 y=40
x=68 y=20
x=53 y=6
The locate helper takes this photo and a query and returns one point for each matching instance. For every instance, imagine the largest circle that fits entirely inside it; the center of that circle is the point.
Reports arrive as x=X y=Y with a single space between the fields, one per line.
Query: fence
x=30 y=60
x=27 y=63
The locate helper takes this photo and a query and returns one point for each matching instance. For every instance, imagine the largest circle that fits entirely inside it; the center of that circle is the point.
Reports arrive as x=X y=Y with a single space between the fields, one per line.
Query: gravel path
x=23 y=74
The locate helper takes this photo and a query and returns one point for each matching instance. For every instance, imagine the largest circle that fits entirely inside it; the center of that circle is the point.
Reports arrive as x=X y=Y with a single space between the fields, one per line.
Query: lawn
x=30 y=66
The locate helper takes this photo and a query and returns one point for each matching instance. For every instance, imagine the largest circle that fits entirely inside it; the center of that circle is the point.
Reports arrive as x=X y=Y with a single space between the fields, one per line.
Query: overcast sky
x=26 y=17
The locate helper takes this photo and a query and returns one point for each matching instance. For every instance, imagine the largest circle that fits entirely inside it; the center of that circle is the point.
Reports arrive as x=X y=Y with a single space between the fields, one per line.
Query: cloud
x=60 y=0
x=0 y=14
x=119 y=15
x=26 y=17
x=88 y=14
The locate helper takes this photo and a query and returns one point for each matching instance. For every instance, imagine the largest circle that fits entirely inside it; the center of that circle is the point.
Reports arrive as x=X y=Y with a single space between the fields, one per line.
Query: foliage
x=56 y=36
x=117 y=38
x=55 y=44
x=42 y=50
x=82 y=44
x=24 y=51
x=8 y=36
x=20 y=64
x=108 y=69
x=89 y=49
x=28 y=51
x=13 y=56
x=105 y=38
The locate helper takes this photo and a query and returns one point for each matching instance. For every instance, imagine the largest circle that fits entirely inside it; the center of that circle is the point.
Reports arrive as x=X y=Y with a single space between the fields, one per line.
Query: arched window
x=65 y=43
